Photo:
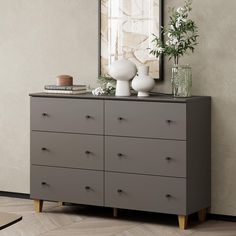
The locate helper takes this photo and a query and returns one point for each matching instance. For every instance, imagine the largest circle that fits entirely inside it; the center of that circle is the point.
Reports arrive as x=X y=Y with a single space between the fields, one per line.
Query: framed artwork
x=127 y=28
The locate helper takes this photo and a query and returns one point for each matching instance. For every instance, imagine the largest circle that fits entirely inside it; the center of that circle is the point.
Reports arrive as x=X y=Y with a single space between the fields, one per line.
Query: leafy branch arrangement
x=181 y=34
x=107 y=86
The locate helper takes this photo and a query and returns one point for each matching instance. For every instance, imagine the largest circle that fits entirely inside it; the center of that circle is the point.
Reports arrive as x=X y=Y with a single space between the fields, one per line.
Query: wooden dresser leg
x=38 y=205
x=115 y=212
x=183 y=220
x=202 y=215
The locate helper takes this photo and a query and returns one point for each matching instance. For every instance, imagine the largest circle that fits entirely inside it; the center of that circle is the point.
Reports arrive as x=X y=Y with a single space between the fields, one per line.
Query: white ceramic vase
x=143 y=83
x=123 y=71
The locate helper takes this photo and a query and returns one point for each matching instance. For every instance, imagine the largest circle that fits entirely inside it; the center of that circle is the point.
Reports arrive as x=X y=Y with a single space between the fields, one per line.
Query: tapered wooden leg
x=183 y=220
x=38 y=205
x=202 y=215
x=115 y=212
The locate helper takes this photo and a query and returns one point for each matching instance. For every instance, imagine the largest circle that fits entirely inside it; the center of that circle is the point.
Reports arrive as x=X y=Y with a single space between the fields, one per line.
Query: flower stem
x=176 y=60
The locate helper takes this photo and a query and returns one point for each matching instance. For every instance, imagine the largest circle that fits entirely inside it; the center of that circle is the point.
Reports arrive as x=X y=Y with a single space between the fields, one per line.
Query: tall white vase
x=123 y=71
x=143 y=83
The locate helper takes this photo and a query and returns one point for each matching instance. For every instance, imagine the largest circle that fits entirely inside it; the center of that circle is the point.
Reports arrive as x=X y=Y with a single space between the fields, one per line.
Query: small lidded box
x=64 y=80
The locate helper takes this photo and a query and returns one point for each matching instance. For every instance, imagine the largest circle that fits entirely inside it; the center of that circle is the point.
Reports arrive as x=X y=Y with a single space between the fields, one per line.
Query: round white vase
x=123 y=71
x=143 y=83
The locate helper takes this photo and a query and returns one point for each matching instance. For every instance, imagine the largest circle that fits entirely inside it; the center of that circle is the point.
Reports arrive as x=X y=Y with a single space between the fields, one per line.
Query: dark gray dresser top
x=151 y=98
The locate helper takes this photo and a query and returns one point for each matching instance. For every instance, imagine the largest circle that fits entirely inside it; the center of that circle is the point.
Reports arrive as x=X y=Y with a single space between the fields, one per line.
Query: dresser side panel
x=198 y=155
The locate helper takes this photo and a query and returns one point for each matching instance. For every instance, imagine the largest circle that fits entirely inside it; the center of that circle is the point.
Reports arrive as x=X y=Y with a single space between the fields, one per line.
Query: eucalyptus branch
x=181 y=34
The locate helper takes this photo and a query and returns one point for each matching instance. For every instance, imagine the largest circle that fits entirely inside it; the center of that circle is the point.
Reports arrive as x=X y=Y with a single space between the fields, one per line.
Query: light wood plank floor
x=69 y=220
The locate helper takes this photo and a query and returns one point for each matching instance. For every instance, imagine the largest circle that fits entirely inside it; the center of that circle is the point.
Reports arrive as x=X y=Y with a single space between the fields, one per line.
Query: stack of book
x=73 y=89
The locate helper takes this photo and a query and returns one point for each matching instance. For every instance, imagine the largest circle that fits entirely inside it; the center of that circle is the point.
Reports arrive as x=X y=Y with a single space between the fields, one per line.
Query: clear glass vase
x=181 y=81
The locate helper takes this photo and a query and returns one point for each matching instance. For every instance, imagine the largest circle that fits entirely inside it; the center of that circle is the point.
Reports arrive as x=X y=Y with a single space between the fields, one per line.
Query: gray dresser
x=150 y=154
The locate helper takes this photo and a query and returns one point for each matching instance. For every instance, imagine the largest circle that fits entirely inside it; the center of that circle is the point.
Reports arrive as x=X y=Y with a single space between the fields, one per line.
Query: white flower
x=179 y=21
x=180 y=18
x=168 y=43
x=172 y=27
x=176 y=46
x=180 y=10
x=177 y=24
x=98 y=91
x=110 y=85
x=160 y=49
x=174 y=41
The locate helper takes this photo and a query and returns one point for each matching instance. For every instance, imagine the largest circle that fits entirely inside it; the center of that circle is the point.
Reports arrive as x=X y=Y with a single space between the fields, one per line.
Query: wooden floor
x=57 y=220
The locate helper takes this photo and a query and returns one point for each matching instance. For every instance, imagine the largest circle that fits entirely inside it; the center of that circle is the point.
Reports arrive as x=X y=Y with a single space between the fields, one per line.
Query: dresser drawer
x=67 y=150
x=145 y=119
x=145 y=156
x=143 y=192
x=67 y=115
x=67 y=185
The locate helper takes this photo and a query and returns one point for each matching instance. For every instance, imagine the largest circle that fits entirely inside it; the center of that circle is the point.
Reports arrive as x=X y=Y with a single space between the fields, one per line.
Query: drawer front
x=67 y=185
x=145 y=156
x=147 y=193
x=67 y=115
x=67 y=150
x=145 y=119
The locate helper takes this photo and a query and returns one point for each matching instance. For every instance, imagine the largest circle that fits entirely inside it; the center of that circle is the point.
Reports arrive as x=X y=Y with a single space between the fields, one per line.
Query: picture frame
x=127 y=28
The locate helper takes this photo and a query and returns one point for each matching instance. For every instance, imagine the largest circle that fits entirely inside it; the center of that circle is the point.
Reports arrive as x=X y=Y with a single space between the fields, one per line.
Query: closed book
x=65 y=91
x=67 y=88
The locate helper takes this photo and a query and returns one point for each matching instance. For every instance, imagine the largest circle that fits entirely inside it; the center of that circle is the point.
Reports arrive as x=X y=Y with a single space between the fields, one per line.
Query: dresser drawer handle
x=120 y=118
x=87 y=187
x=168 y=158
x=119 y=191
x=44 y=114
x=88 y=117
x=120 y=155
x=44 y=183
x=168 y=196
x=169 y=121
x=87 y=152
x=44 y=149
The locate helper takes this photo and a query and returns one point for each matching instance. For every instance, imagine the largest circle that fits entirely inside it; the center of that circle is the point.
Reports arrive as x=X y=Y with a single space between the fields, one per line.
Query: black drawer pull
x=120 y=155
x=43 y=183
x=119 y=191
x=168 y=196
x=120 y=118
x=88 y=117
x=44 y=114
x=168 y=158
x=87 y=188
x=169 y=121
x=44 y=149
x=87 y=152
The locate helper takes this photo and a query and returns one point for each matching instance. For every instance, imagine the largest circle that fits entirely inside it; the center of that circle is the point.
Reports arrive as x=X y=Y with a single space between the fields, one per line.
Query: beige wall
x=39 y=39
x=42 y=38
x=214 y=74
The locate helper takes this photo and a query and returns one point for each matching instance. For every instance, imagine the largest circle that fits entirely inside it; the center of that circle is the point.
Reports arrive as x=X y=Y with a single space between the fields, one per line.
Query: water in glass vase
x=181 y=81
